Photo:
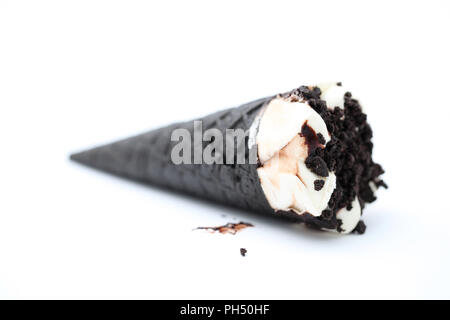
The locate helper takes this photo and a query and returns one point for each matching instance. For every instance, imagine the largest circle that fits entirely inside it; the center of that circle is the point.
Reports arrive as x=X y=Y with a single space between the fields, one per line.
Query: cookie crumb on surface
x=232 y=228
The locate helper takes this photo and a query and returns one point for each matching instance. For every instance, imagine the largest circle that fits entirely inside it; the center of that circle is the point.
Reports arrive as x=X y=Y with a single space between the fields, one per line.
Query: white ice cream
x=333 y=94
x=349 y=218
x=286 y=181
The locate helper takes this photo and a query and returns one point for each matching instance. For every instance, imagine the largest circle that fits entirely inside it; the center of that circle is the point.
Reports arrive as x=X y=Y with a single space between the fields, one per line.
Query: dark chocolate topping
x=318 y=185
x=317 y=165
x=348 y=154
x=311 y=138
x=321 y=138
x=360 y=227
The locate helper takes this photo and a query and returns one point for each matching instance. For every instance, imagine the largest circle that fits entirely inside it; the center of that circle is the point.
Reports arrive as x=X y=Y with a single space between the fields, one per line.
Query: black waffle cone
x=147 y=158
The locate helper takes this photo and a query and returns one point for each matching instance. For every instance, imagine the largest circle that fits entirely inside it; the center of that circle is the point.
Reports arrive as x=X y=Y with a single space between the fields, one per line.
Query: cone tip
x=77 y=157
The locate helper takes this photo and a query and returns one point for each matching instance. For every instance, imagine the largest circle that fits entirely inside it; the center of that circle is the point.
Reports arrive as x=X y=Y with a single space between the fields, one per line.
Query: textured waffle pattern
x=147 y=158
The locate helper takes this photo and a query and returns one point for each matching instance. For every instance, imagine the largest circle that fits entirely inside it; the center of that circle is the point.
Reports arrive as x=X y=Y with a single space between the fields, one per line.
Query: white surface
x=78 y=73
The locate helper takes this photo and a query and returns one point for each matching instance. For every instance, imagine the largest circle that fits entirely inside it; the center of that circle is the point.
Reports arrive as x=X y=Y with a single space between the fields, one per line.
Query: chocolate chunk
x=348 y=154
x=243 y=252
x=318 y=184
x=339 y=226
x=317 y=165
x=381 y=183
x=360 y=227
x=321 y=138
x=327 y=215
x=307 y=92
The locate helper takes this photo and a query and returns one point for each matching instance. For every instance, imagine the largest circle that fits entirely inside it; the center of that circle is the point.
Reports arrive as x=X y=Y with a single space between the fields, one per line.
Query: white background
x=74 y=74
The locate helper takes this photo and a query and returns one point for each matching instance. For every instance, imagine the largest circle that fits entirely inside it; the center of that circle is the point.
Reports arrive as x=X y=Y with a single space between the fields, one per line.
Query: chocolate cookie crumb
x=321 y=138
x=232 y=228
x=360 y=227
x=243 y=252
x=348 y=155
x=318 y=184
x=317 y=165
x=327 y=215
